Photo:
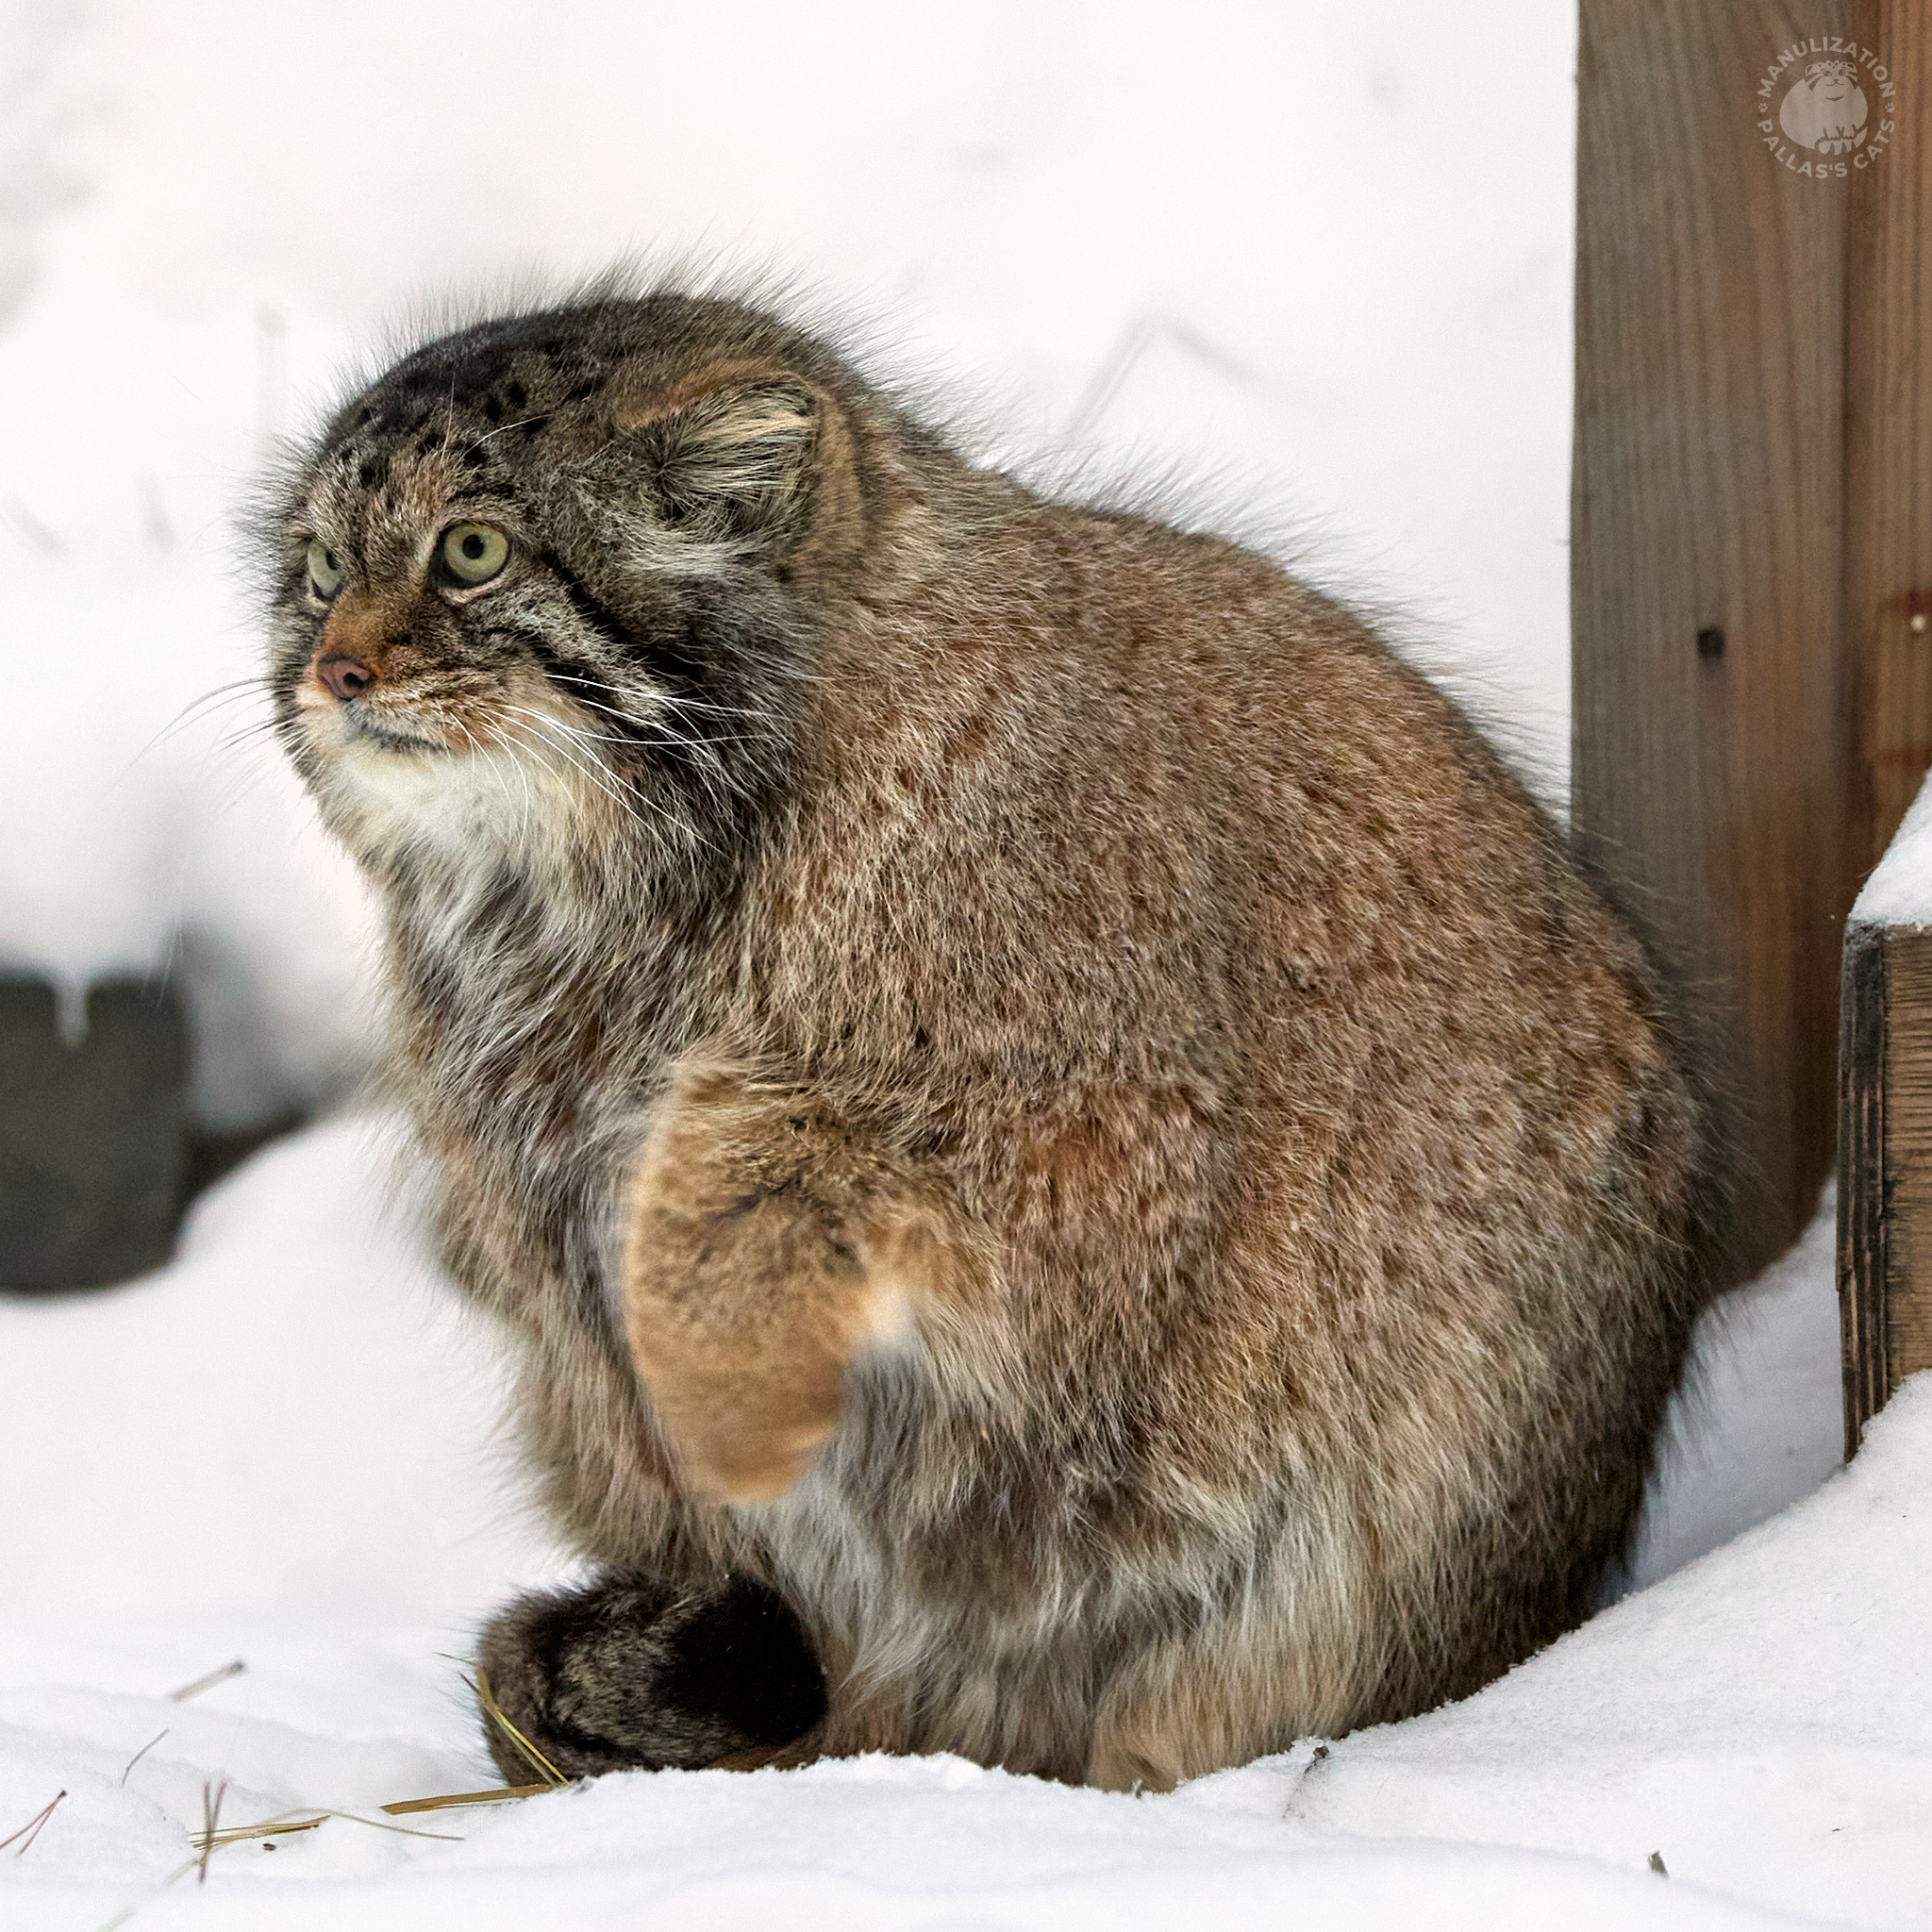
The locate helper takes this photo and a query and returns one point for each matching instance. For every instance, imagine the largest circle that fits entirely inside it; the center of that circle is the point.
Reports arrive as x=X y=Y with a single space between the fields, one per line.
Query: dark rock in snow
x=93 y=1136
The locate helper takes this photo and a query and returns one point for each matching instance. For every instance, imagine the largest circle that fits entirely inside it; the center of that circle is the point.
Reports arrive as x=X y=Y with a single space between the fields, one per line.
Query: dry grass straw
x=31 y=1829
x=549 y=1777
x=498 y=1796
x=547 y=1772
x=305 y=1818
x=210 y=1823
x=207 y=1682
x=206 y=1841
x=211 y=1838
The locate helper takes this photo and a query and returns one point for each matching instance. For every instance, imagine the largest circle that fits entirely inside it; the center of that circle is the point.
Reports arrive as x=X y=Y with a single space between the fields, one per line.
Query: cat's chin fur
x=463 y=803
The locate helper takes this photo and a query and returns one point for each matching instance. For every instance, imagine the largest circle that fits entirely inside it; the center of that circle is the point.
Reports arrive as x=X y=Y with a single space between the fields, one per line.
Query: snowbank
x=1764 y=1718
x=1761 y=1721
x=283 y=1448
x=295 y=1412
x=1760 y=1418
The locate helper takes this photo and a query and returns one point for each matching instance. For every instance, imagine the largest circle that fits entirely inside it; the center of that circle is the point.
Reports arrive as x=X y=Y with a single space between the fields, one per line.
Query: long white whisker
x=529 y=797
x=587 y=738
x=665 y=735
x=522 y=735
x=598 y=774
x=661 y=697
x=491 y=752
x=497 y=755
x=577 y=730
x=680 y=704
x=233 y=740
x=712 y=770
x=502 y=429
x=223 y=694
x=590 y=765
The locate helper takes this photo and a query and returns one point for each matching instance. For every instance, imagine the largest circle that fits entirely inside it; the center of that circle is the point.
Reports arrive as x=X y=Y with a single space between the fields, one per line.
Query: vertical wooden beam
x=1863 y=1267
x=1884 y=1198
x=1906 y=1168
x=1888 y=602
x=1885 y=1144
x=1711 y=738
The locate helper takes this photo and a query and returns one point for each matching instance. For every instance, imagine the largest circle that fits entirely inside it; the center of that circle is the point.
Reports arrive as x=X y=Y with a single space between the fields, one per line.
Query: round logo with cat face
x=1825 y=106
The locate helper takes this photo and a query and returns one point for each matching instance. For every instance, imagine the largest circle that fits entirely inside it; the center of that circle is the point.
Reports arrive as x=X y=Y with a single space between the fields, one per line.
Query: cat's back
x=1123 y=763
x=1407 y=953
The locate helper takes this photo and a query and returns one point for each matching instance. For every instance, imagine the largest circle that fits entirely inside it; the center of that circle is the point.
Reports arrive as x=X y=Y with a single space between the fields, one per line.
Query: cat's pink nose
x=345 y=677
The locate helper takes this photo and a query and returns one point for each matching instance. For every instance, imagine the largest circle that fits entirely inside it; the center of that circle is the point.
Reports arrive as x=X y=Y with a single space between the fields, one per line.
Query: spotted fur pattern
x=1015 y=1078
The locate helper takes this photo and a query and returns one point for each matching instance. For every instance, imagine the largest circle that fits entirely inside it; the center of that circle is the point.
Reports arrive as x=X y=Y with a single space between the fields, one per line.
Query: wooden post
x=1884 y=1198
x=1885 y=1136
x=1706 y=554
x=1887 y=604
x=1750 y=404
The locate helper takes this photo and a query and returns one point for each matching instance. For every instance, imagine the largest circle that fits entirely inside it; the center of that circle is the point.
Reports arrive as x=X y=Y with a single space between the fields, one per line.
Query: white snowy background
x=1318 y=258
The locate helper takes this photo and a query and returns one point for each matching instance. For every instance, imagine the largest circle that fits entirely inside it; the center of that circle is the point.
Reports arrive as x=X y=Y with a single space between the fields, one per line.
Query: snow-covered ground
x=1320 y=260
x=281 y=1448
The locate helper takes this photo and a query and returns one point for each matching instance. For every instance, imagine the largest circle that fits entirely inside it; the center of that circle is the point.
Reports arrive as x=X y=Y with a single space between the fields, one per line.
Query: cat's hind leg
x=1232 y=1691
x=631 y=1674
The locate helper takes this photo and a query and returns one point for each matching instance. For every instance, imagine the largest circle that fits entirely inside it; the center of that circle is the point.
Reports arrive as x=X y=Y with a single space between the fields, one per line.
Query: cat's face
x=412 y=633
x=527 y=594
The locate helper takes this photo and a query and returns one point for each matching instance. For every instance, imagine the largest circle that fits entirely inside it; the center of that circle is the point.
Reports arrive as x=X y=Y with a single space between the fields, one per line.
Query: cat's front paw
x=748 y=1450
x=630 y=1674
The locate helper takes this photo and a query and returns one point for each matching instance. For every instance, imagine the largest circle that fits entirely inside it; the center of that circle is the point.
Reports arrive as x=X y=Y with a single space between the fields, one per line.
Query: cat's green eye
x=325 y=572
x=474 y=552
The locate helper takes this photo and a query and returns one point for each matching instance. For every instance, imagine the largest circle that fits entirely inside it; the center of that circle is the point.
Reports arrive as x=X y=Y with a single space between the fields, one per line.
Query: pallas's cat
x=1074 y=1173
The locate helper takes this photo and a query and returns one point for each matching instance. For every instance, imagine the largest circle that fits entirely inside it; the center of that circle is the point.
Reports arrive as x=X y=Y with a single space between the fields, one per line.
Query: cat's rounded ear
x=732 y=461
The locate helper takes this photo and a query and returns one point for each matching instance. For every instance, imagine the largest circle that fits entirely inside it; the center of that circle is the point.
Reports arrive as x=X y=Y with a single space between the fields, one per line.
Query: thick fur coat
x=1075 y=1175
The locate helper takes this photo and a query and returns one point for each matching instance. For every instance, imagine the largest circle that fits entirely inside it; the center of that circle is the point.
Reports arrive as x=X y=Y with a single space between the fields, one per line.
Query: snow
x=1323 y=265
x=285 y=1447
x=1760 y=1418
x=295 y=1410
x=1764 y=1718
x=1899 y=892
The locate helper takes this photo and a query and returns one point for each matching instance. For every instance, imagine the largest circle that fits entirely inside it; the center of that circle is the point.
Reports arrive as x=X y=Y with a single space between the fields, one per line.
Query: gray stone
x=93 y=1136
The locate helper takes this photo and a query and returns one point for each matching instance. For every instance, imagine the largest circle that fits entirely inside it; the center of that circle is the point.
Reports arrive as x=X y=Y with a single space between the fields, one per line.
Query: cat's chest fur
x=533 y=1028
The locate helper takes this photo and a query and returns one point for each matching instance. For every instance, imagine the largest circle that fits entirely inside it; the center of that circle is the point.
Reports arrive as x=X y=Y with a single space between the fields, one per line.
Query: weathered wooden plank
x=1906 y=1163
x=1861 y=1226
x=1885 y=1199
x=1884 y=1161
x=1889 y=431
x=1710 y=733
